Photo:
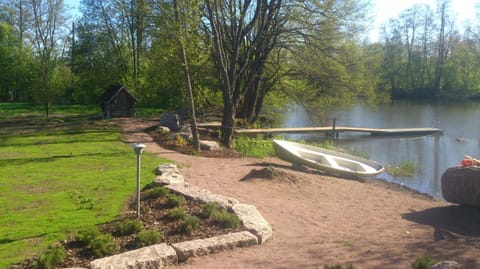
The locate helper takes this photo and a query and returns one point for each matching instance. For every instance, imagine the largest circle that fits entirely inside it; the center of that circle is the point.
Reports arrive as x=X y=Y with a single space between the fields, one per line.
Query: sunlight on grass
x=253 y=146
x=403 y=169
x=55 y=181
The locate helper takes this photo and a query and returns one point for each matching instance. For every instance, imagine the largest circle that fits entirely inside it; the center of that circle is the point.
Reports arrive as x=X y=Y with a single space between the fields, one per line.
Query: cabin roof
x=113 y=91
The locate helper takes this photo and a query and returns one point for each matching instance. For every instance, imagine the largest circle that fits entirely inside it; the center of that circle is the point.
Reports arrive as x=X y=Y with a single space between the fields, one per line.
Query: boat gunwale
x=284 y=145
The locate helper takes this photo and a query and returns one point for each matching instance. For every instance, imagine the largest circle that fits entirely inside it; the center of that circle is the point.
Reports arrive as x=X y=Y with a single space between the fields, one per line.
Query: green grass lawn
x=58 y=175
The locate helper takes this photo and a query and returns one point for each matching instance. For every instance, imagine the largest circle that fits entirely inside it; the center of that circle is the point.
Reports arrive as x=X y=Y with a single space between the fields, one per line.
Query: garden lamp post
x=138 y=147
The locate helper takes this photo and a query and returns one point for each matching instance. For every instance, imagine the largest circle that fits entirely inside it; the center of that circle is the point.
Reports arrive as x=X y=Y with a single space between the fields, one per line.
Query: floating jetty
x=331 y=130
x=335 y=130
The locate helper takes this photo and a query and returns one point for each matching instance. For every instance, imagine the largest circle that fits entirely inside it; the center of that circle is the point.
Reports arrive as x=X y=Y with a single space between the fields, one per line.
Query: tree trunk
x=188 y=86
x=441 y=47
x=228 y=123
x=187 y=76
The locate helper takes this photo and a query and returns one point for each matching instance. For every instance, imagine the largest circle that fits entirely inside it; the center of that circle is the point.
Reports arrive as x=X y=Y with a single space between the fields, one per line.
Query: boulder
x=171 y=120
x=163 y=129
x=446 y=265
x=209 y=145
x=461 y=185
x=168 y=174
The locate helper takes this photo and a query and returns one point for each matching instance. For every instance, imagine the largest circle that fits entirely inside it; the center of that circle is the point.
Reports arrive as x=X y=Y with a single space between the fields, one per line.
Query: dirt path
x=319 y=220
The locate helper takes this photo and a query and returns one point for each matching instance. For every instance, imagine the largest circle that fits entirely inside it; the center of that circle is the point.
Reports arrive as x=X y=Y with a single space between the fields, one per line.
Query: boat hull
x=336 y=163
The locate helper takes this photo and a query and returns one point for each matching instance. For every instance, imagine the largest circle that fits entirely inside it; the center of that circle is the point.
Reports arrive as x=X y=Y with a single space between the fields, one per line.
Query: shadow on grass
x=23 y=161
x=45 y=141
x=449 y=221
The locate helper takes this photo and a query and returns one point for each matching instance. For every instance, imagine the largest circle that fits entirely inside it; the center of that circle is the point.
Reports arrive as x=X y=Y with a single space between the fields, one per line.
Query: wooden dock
x=331 y=130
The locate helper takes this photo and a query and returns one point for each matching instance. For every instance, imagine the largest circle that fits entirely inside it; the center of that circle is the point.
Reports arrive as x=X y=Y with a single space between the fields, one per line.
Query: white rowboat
x=331 y=162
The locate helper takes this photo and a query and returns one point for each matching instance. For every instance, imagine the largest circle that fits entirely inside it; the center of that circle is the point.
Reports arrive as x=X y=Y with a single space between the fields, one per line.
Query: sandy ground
x=319 y=220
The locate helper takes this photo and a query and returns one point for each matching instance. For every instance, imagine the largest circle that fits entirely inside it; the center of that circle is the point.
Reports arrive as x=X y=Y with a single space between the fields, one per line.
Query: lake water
x=431 y=155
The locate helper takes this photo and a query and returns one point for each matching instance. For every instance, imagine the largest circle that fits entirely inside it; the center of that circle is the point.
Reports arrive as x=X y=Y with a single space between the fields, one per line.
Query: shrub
x=51 y=258
x=146 y=238
x=253 y=147
x=209 y=209
x=174 y=200
x=103 y=245
x=226 y=219
x=86 y=235
x=404 y=169
x=176 y=214
x=156 y=192
x=423 y=262
x=180 y=141
x=222 y=217
x=128 y=227
x=188 y=224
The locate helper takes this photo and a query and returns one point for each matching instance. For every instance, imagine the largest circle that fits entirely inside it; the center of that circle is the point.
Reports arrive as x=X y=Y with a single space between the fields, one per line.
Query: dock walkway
x=331 y=130
x=341 y=129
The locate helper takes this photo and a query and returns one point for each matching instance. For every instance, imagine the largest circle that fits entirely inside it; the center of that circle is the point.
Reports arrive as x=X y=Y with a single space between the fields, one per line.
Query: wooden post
x=335 y=134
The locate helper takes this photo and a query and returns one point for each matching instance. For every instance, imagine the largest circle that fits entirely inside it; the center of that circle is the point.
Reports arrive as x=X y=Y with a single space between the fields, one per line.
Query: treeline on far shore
x=312 y=53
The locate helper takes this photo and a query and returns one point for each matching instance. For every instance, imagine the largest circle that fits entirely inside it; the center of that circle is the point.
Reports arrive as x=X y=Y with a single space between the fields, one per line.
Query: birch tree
x=48 y=20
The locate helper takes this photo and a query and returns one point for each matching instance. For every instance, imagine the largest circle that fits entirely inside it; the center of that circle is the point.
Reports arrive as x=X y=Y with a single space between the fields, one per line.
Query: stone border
x=163 y=255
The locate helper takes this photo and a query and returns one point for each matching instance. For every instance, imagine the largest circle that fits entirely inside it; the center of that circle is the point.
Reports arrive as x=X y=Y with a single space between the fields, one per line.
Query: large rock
x=156 y=256
x=168 y=174
x=171 y=120
x=209 y=145
x=446 y=265
x=461 y=185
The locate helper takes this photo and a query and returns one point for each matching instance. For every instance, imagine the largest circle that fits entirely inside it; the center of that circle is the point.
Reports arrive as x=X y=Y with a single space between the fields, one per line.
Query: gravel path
x=319 y=220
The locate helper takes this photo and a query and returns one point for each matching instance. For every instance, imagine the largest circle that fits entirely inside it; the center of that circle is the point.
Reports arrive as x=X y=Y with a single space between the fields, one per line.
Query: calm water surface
x=432 y=155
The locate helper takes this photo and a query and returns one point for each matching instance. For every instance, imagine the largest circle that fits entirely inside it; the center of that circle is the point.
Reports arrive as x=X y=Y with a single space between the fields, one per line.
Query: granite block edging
x=156 y=256
x=163 y=255
x=202 y=195
x=200 y=247
x=248 y=214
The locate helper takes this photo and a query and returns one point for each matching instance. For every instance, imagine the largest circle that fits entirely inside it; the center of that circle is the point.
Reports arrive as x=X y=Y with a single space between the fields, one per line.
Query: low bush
x=423 y=262
x=222 y=217
x=156 y=192
x=103 y=245
x=209 y=209
x=226 y=219
x=174 y=200
x=188 y=224
x=146 y=238
x=128 y=227
x=180 y=141
x=253 y=147
x=404 y=169
x=176 y=214
x=51 y=258
x=86 y=235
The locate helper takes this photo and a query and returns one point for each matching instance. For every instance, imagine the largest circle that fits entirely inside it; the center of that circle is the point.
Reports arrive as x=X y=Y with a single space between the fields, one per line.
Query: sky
x=464 y=10
x=383 y=10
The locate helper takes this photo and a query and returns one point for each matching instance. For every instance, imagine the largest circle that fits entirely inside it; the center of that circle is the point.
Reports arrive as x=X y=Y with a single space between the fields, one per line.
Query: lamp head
x=138 y=147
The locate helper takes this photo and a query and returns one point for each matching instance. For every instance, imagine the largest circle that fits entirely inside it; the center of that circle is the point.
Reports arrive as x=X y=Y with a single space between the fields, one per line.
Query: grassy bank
x=58 y=175
x=23 y=109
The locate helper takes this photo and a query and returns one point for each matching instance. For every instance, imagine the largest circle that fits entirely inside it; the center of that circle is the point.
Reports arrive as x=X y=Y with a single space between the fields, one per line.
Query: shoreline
x=319 y=220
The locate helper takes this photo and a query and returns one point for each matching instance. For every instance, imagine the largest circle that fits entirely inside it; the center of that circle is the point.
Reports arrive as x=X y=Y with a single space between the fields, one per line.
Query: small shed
x=116 y=101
